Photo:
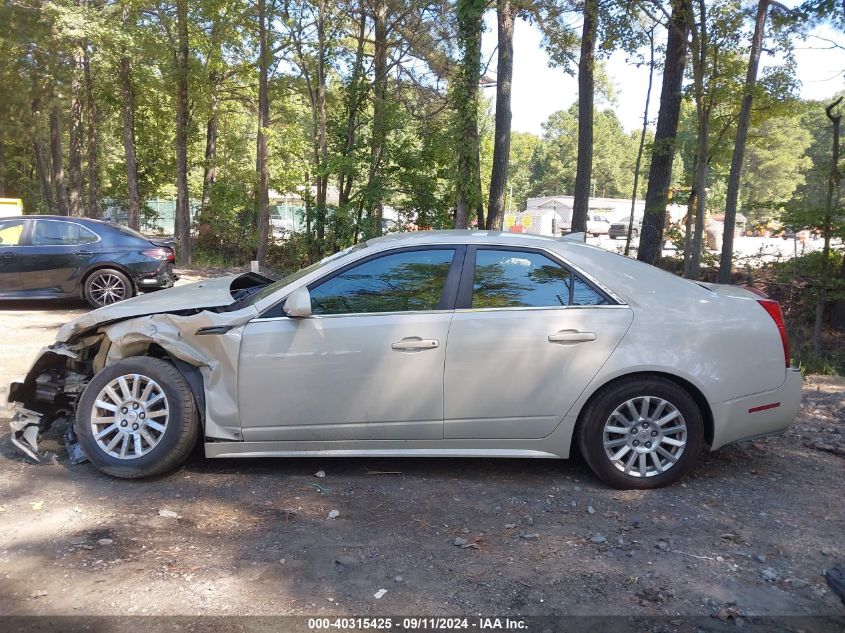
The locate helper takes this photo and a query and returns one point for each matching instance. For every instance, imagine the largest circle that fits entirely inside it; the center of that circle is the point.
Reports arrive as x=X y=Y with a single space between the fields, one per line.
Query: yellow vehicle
x=10 y=206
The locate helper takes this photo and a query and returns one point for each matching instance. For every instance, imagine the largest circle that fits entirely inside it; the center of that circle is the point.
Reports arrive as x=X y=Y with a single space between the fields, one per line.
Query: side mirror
x=298 y=304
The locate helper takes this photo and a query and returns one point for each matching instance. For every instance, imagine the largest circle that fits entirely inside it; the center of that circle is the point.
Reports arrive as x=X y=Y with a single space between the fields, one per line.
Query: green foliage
x=465 y=101
x=796 y=284
x=428 y=151
x=614 y=156
x=524 y=147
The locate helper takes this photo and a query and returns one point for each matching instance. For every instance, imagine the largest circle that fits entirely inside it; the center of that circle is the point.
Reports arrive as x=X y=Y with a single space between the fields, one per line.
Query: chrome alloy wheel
x=645 y=436
x=129 y=416
x=107 y=289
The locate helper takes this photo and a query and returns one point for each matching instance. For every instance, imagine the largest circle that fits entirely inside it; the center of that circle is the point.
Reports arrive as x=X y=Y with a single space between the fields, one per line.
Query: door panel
x=57 y=254
x=505 y=378
x=340 y=377
x=11 y=237
x=531 y=335
x=367 y=366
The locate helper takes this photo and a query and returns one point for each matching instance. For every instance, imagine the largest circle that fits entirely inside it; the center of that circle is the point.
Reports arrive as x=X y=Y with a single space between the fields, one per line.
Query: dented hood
x=210 y=293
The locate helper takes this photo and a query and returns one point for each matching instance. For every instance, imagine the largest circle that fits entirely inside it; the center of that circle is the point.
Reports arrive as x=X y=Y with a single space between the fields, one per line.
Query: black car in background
x=43 y=256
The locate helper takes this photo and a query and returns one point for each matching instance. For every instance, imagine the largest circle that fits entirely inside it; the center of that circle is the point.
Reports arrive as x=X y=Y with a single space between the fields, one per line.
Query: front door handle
x=572 y=336
x=414 y=343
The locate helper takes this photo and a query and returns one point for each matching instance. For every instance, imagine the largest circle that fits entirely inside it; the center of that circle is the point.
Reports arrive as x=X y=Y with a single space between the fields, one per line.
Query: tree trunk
x=663 y=147
x=210 y=162
x=261 y=166
x=701 y=171
x=832 y=197
x=42 y=168
x=837 y=318
x=321 y=149
x=502 y=138
x=58 y=159
x=642 y=141
x=2 y=166
x=353 y=103
x=93 y=206
x=726 y=260
x=703 y=104
x=183 y=212
x=375 y=184
x=700 y=48
x=586 y=88
x=76 y=134
x=479 y=206
x=691 y=202
x=465 y=103
x=127 y=95
x=43 y=173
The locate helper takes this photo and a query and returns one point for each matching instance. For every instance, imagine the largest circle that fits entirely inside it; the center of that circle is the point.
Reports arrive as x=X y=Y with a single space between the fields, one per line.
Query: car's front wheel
x=106 y=286
x=137 y=418
x=641 y=432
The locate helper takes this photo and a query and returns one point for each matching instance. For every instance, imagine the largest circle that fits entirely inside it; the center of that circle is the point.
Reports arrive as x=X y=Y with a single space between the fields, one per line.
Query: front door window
x=399 y=282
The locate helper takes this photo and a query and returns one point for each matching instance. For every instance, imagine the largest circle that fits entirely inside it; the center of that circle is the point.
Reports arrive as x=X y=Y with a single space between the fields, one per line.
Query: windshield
x=269 y=289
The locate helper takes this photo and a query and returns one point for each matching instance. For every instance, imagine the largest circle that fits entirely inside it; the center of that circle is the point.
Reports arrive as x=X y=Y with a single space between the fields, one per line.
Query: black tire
x=590 y=431
x=634 y=234
x=176 y=441
x=106 y=276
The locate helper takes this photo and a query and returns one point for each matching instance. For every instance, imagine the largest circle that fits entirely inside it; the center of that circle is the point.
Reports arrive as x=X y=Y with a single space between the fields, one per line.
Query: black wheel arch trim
x=196 y=383
x=694 y=392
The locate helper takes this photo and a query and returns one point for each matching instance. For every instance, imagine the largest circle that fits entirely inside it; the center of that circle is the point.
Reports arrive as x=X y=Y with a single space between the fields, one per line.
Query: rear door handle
x=414 y=343
x=572 y=336
x=84 y=253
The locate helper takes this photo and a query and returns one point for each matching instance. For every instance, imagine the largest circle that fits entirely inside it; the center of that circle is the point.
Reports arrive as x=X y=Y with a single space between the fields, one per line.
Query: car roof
x=634 y=281
x=465 y=236
x=66 y=218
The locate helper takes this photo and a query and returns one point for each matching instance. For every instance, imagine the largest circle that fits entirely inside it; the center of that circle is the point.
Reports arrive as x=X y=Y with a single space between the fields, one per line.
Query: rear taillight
x=773 y=308
x=160 y=253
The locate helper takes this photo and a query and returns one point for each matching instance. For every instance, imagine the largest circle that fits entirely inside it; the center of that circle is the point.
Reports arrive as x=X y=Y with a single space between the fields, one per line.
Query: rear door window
x=525 y=279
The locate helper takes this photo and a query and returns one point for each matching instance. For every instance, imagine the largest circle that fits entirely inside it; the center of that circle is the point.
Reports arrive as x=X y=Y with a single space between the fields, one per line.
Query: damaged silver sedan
x=450 y=344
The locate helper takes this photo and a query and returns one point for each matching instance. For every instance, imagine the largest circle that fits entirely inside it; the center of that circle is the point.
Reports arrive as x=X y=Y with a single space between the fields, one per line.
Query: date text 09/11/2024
x=417 y=624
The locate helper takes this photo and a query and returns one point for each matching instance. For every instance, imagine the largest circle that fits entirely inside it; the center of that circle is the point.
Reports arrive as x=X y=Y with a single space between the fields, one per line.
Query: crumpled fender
x=205 y=294
x=216 y=356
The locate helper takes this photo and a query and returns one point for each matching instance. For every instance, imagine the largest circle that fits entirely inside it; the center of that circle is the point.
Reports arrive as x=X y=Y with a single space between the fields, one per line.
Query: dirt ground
x=750 y=532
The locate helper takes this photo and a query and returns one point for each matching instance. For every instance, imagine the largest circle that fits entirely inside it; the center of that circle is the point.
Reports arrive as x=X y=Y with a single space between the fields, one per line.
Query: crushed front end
x=49 y=393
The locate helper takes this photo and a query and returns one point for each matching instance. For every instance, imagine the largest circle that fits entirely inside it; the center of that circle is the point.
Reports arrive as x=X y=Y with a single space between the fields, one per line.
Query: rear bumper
x=759 y=414
x=163 y=277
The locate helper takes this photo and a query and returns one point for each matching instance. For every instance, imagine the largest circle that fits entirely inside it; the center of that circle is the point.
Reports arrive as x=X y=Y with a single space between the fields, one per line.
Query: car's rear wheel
x=641 y=432
x=106 y=286
x=137 y=418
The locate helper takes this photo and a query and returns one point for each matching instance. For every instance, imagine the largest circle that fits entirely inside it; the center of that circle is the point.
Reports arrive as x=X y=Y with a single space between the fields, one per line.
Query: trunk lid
x=725 y=290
